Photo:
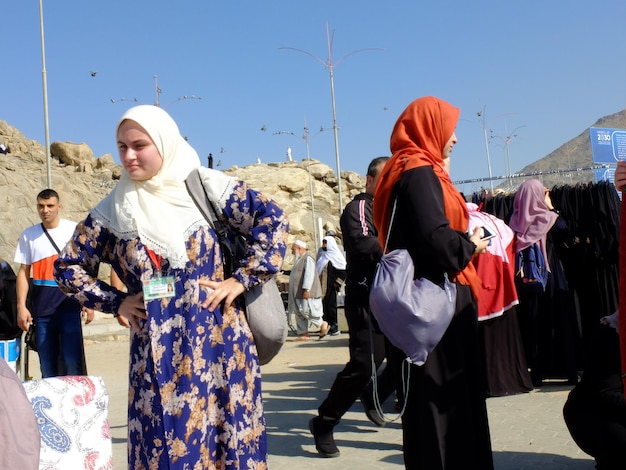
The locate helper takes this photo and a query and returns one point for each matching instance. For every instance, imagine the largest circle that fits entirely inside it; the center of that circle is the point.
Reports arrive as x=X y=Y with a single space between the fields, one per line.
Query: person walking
x=194 y=375
x=305 y=294
x=57 y=319
x=362 y=254
x=333 y=263
x=445 y=423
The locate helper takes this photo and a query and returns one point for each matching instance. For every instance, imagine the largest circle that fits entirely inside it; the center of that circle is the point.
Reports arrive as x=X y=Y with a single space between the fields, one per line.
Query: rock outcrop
x=307 y=190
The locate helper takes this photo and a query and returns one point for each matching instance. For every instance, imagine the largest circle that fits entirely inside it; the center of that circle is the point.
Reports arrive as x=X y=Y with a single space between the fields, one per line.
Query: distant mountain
x=571 y=155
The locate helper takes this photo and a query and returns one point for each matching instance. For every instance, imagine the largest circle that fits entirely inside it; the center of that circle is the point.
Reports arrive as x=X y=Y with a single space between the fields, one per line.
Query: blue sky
x=543 y=71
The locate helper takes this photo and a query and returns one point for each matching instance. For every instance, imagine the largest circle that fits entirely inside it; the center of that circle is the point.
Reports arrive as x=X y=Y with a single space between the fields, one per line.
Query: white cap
x=300 y=243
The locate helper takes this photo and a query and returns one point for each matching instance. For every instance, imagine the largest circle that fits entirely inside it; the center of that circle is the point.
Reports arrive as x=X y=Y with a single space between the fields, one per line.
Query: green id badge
x=158 y=288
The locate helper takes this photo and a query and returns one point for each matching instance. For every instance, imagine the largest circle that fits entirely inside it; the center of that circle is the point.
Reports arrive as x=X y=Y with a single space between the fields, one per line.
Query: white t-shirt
x=36 y=250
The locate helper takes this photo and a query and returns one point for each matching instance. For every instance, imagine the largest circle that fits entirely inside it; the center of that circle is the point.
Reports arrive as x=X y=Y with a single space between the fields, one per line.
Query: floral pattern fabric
x=195 y=382
x=71 y=413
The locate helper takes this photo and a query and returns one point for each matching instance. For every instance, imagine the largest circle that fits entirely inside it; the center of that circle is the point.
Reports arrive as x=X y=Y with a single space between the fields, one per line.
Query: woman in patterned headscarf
x=445 y=422
x=195 y=384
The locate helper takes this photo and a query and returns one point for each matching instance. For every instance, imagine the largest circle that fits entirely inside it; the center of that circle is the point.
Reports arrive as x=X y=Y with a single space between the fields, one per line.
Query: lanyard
x=156 y=260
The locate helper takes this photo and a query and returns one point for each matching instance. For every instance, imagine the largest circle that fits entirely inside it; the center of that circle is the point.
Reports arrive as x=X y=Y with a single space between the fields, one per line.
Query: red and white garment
x=495 y=267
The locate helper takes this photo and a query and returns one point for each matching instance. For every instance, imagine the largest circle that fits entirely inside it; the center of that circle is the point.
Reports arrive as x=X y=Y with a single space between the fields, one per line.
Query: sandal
x=324 y=329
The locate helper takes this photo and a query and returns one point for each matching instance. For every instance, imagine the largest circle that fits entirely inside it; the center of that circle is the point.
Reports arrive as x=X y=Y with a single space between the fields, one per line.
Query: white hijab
x=159 y=211
x=332 y=254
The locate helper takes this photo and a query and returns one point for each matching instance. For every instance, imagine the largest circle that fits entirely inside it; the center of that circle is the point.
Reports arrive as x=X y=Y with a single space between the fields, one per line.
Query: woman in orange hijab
x=445 y=422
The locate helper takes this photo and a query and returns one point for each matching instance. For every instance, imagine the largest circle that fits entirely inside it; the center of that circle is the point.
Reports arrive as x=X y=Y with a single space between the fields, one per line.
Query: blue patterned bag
x=531 y=272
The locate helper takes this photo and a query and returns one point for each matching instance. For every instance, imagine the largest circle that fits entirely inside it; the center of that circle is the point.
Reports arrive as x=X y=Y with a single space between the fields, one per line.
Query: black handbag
x=31 y=339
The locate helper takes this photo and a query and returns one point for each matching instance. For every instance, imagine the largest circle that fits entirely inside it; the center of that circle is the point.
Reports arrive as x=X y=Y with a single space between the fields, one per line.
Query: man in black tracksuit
x=362 y=254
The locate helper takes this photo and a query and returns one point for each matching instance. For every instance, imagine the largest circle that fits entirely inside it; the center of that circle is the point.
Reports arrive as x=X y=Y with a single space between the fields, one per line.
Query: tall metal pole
x=335 y=133
x=482 y=115
x=308 y=158
x=332 y=95
x=506 y=139
x=330 y=66
x=45 y=95
x=305 y=137
x=157 y=91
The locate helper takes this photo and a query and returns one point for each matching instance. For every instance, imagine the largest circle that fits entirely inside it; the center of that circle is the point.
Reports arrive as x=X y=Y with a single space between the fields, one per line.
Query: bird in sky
x=93 y=74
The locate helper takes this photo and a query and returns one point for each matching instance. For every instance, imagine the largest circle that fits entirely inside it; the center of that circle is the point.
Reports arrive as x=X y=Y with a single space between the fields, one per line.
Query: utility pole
x=331 y=66
x=45 y=95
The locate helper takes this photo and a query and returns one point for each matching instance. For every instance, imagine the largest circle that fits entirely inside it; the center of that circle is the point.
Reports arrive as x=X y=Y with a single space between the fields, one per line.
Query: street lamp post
x=306 y=139
x=45 y=95
x=330 y=66
x=157 y=103
x=157 y=91
x=481 y=115
x=506 y=139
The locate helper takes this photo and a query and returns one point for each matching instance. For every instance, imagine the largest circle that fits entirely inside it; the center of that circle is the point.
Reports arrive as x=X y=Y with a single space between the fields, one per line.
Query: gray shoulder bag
x=265 y=310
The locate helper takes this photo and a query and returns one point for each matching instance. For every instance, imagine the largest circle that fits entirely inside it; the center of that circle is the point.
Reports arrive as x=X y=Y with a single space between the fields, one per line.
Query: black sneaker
x=375 y=417
x=370 y=410
x=323 y=435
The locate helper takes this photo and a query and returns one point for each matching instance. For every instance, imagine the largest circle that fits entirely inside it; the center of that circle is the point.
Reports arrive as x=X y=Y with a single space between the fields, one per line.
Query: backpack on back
x=8 y=303
x=531 y=272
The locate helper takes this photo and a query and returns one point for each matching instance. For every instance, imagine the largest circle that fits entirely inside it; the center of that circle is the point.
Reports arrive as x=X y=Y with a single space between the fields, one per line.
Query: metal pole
x=45 y=95
x=332 y=97
x=482 y=113
x=330 y=65
x=507 y=139
x=157 y=91
x=507 y=163
x=308 y=157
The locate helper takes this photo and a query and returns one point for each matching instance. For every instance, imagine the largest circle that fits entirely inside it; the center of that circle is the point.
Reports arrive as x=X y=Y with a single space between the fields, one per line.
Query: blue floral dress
x=195 y=382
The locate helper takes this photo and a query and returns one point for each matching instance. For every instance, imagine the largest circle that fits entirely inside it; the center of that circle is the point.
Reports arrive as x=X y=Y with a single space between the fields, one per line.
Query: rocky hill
x=307 y=190
x=573 y=154
x=82 y=180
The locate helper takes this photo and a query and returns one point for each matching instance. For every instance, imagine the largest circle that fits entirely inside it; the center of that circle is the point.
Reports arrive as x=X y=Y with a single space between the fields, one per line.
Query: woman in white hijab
x=332 y=259
x=195 y=388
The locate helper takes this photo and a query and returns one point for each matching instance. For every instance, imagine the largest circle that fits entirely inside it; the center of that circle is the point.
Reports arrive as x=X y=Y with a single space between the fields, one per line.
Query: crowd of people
x=195 y=396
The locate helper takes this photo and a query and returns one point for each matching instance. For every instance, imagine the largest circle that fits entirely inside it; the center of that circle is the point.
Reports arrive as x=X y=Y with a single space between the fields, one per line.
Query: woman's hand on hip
x=226 y=291
x=132 y=308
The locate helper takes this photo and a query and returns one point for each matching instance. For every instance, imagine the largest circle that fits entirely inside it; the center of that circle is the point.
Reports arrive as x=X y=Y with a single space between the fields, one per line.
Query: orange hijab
x=418 y=139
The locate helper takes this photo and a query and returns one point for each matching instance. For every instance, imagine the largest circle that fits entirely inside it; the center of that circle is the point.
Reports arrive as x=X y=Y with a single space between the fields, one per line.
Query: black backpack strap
x=205 y=205
x=198 y=194
x=50 y=238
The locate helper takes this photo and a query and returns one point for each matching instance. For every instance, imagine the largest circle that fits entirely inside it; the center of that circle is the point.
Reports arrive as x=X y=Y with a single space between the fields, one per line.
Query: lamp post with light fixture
x=481 y=115
x=331 y=66
x=506 y=139
x=306 y=138
x=158 y=93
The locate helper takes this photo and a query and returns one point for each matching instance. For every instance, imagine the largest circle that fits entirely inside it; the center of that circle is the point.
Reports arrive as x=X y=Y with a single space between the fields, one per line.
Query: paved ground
x=527 y=430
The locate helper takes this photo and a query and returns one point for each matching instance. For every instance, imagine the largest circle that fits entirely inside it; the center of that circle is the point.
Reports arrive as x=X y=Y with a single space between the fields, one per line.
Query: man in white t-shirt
x=57 y=318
